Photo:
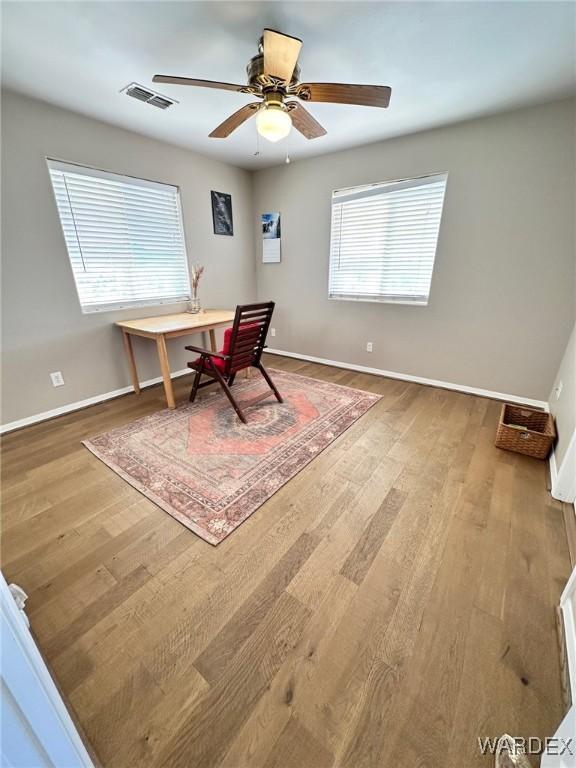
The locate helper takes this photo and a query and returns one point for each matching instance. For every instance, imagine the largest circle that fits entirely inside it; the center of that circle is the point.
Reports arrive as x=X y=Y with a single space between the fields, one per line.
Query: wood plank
x=362 y=556
x=297 y=747
x=231 y=700
x=374 y=706
x=489 y=698
x=213 y=660
x=294 y=683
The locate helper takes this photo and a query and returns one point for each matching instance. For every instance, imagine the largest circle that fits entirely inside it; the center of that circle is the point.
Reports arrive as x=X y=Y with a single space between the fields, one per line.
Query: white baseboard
x=416 y=379
x=34 y=419
x=563 y=477
x=45 y=415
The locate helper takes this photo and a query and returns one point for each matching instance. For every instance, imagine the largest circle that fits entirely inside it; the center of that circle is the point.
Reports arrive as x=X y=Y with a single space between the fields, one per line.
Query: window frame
x=374 y=188
x=92 y=171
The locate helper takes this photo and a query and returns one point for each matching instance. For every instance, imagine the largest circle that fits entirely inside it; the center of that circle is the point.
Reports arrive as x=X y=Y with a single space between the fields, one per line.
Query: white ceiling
x=445 y=61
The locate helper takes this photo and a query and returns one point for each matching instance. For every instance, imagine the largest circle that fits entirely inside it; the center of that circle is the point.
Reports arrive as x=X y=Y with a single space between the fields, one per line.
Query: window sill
x=99 y=308
x=403 y=302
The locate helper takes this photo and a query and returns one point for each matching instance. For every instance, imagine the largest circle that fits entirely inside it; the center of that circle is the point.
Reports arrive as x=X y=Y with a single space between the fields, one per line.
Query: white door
x=561 y=750
x=35 y=728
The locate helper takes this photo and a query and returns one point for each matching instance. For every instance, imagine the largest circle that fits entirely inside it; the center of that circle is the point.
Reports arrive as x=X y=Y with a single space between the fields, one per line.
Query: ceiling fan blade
x=232 y=122
x=341 y=93
x=200 y=83
x=280 y=54
x=303 y=121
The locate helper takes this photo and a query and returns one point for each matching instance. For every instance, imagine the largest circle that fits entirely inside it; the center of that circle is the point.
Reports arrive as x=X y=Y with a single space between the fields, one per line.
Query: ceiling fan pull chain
x=257 y=153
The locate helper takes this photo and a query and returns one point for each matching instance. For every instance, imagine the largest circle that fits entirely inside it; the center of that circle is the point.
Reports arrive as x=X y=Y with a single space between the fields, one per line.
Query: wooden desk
x=168 y=327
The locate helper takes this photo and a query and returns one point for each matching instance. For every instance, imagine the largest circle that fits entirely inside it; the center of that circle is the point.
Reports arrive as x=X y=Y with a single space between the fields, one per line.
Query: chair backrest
x=248 y=335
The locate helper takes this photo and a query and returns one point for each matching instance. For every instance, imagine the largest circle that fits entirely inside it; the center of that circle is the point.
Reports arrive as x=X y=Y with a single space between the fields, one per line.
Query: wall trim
x=77 y=406
x=563 y=477
x=416 y=379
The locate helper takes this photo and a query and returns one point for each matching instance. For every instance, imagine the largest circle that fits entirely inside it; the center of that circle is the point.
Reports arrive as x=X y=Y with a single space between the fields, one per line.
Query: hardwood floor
x=389 y=605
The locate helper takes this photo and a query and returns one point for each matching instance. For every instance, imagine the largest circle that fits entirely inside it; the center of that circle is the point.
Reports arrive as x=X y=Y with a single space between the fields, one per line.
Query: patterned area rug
x=204 y=467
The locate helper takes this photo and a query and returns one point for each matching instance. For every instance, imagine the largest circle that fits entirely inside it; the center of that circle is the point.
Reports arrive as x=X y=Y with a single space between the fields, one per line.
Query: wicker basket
x=525 y=430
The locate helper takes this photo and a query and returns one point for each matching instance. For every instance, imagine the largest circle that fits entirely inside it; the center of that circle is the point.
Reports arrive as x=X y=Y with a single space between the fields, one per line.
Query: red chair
x=243 y=347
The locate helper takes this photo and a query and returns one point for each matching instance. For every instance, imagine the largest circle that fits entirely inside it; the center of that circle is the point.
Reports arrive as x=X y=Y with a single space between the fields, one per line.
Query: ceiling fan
x=274 y=77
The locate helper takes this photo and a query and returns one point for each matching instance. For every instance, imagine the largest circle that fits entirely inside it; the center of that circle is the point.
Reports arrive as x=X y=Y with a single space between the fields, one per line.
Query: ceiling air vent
x=161 y=102
x=148 y=96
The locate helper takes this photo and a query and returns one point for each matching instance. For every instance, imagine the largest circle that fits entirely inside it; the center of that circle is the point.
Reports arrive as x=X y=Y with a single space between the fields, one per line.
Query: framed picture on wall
x=271 y=238
x=222 y=213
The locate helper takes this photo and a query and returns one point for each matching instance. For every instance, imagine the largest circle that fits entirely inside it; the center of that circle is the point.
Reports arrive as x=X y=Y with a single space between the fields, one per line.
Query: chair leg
x=231 y=379
x=229 y=395
x=197 y=378
x=269 y=381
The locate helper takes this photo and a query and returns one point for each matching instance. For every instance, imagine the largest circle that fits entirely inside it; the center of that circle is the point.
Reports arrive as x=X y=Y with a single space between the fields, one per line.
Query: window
x=124 y=238
x=383 y=240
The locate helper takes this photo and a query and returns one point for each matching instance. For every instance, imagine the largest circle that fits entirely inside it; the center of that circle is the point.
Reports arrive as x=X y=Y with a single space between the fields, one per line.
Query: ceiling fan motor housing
x=257 y=76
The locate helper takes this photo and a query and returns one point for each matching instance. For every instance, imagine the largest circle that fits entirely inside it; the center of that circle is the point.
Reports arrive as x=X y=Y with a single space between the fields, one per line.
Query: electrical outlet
x=559 y=390
x=57 y=379
x=368 y=346
x=272 y=331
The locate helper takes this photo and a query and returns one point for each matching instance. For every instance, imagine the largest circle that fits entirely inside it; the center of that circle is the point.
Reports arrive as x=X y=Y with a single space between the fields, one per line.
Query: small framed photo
x=222 y=213
x=271 y=226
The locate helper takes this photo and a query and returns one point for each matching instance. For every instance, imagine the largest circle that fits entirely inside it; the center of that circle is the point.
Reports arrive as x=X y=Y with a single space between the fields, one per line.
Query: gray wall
x=43 y=328
x=502 y=299
x=564 y=407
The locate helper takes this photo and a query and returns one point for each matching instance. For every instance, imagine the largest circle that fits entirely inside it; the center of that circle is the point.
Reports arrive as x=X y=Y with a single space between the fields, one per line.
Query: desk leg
x=131 y=361
x=165 y=368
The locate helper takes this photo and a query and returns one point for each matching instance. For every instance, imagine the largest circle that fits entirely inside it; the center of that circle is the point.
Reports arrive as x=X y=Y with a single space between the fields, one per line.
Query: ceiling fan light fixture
x=273 y=122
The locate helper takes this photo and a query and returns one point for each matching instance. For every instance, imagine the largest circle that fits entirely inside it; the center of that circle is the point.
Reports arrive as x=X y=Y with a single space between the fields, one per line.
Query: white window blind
x=124 y=238
x=383 y=240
